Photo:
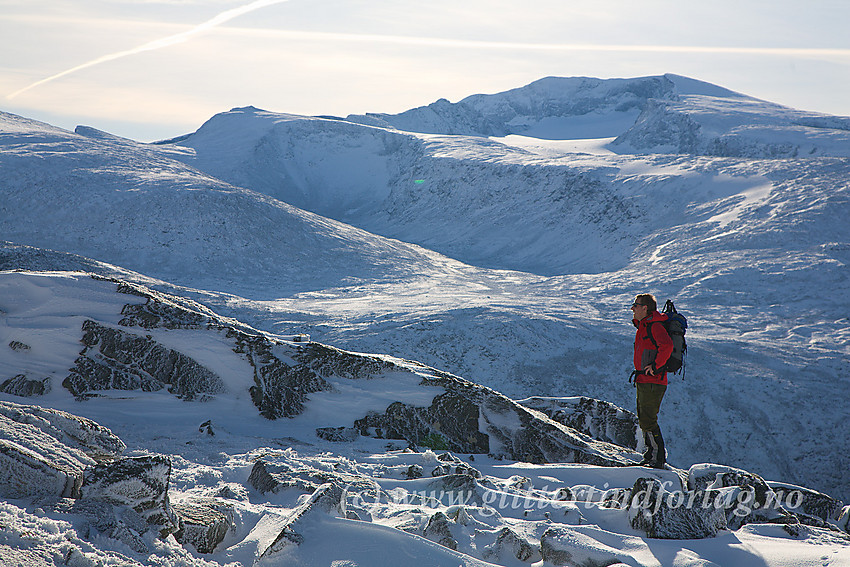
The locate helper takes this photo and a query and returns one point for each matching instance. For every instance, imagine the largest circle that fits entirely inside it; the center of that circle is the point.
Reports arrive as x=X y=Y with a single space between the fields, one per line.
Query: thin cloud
x=530 y=46
x=168 y=41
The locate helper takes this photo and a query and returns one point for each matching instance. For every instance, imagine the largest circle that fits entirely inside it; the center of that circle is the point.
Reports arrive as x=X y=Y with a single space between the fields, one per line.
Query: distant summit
x=549 y=108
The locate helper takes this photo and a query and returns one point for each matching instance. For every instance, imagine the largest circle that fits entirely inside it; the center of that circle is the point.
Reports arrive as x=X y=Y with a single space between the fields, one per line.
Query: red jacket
x=653 y=350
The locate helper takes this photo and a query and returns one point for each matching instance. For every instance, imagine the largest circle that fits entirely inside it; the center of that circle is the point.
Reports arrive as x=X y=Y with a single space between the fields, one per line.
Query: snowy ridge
x=230 y=489
x=549 y=108
x=127 y=204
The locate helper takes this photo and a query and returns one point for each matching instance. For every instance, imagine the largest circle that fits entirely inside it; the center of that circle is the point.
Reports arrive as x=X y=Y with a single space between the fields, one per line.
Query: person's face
x=639 y=310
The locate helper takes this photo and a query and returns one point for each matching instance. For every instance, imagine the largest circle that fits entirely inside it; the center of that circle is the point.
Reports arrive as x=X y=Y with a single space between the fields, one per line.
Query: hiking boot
x=659 y=454
x=647 y=453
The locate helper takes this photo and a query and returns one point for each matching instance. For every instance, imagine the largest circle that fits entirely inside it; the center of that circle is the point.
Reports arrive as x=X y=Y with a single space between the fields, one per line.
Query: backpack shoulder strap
x=649 y=332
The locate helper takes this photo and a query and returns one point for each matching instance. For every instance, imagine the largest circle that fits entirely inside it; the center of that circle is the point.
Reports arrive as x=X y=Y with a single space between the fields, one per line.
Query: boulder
x=105 y=519
x=509 y=545
x=327 y=499
x=338 y=434
x=439 y=531
x=23 y=386
x=274 y=477
x=745 y=497
x=470 y=418
x=44 y=453
x=810 y=506
x=204 y=523
x=80 y=433
x=674 y=515
x=138 y=483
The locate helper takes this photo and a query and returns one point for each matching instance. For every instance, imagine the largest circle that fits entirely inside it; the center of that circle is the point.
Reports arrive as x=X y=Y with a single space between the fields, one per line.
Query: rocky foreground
x=445 y=444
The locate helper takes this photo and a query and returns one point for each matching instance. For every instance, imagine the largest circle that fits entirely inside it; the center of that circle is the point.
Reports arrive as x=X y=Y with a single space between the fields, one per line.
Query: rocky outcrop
x=113 y=359
x=204 y=523
x=744 y=497
x=674 y=515
x=470 y=418
x=45 y=452
x=439 y=531
x=810 y=506
x=599 y=419
x=327 y=498
x=137 y=483
x=274 y=477
x=465 y=418
x=280 y=389
x=510 y=545
x=25 y=387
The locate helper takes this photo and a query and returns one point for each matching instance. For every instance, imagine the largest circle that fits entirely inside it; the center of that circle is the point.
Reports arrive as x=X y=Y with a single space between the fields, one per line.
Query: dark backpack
x=676 y=325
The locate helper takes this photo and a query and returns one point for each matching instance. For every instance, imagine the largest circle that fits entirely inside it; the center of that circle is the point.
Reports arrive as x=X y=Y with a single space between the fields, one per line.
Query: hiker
x=653 y=347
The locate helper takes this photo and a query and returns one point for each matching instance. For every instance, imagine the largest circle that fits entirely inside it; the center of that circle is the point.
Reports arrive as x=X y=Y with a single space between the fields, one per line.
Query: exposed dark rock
x=746 y=496
x=19 y=346
x=509 y=544
x=450 y=465
x=509 y=429
x=44 y=452
x=139 y=483
x=451 y=417
x=414 y=471
x=268 y=477
x=455 y=489
x=203 y=523
x=439 y=531
x=465 y=418
x=551 y=549
x=674 y=515
x=207 y=427
x=810 y=506
x=599 y=419
x=337 y=434
x=279 y=389
x=115 y=359
x=25 y=387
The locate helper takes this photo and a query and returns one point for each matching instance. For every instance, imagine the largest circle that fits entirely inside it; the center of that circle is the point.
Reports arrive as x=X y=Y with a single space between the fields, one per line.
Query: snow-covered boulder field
x=208 y=442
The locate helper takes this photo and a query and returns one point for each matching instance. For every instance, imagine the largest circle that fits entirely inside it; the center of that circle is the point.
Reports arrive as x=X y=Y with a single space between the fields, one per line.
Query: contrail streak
x=526 y=46
x=221 y=18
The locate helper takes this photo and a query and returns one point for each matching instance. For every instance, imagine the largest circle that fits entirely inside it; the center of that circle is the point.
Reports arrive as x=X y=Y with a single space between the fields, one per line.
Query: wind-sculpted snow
x=312 y=506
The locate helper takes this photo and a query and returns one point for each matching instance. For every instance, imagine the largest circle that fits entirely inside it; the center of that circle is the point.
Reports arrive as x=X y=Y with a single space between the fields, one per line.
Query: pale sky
x=154 y=69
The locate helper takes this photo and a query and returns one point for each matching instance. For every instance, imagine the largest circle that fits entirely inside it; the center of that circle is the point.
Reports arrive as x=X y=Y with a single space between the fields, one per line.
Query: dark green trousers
x=649 y=398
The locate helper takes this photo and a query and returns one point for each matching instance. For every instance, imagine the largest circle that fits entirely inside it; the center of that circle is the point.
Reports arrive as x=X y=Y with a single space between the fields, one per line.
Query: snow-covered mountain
x=125 y=203
x=731 y=237
x=509 y=260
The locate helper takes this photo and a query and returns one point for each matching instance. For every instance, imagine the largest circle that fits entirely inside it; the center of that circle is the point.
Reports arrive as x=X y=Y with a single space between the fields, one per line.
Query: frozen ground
x=395 y=511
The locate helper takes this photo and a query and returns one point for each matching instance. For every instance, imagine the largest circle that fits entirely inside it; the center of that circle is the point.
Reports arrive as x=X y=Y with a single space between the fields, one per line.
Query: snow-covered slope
x=556 y=108
x=754 y=250
x=165 y=478
x=127 y=204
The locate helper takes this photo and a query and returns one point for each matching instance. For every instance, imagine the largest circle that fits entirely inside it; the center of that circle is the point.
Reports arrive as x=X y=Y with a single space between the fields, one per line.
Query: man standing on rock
x=652 y=349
